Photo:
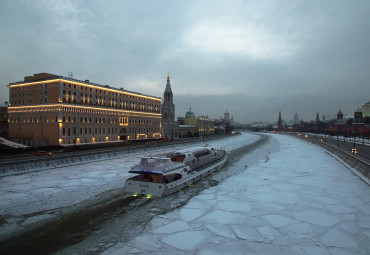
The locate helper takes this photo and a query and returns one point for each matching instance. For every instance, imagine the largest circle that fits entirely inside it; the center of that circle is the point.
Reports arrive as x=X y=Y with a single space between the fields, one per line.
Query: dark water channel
x=120 y=219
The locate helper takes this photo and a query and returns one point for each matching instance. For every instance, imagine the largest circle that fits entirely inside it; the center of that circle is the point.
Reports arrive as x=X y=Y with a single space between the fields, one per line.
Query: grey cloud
x=325 y=64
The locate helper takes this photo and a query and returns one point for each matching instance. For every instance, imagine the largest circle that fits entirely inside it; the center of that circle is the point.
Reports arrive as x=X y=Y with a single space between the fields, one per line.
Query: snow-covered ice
x=46 y=194
x=300 y=200
x=297 y=200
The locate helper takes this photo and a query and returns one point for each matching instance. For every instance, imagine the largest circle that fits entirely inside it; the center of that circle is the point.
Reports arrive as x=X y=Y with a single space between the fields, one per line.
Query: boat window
x=152 y=162
x=178 y=158
x=171 y=178
x=148 y=178
x=201 y=153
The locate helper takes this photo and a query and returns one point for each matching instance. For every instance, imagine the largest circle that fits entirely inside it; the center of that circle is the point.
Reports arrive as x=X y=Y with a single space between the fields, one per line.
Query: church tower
x=280 y=122
x=169 y=127
x=317 y=118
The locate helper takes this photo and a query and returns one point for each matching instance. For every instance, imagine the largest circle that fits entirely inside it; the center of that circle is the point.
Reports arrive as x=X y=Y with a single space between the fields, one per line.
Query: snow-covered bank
x=35 y=197
x=299 y=200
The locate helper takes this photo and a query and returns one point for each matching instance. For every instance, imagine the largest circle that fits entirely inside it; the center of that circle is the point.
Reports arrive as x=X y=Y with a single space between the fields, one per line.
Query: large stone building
x=47 y=109
x=169 y=126
x=227 y=118
x=366 y=110
x=203 y=125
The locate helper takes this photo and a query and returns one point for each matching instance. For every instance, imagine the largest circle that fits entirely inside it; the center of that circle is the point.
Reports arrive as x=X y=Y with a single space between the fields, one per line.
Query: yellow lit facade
x=46 y=109
x=366 y=110
x=203 y=125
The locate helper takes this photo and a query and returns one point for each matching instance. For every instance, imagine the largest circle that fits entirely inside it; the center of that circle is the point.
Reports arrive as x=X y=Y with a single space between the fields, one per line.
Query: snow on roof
x=11 y=144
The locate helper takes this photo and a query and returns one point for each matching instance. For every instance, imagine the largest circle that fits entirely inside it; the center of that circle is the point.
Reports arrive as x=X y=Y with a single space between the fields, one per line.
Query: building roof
x=189 y=113
x=45 y=76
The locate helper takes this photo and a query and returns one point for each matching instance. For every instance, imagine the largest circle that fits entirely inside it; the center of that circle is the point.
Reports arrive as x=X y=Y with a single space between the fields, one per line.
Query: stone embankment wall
x=31 y=164
x=361 y=167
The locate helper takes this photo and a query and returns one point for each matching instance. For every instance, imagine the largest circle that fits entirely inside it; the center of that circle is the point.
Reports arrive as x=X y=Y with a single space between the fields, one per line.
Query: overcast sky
x=252 y=58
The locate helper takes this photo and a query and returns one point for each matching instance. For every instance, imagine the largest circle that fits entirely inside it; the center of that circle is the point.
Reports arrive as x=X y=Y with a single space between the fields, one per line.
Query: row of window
x=85 y=119
x=101 y=139
x=102 y=91
x=29 y=87
x=122 y=105
x=88 y=101
x=75 y=131
x=90 y=98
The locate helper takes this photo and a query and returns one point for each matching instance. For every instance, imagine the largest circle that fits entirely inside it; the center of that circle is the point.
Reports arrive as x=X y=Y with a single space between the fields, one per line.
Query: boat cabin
x=154 y=177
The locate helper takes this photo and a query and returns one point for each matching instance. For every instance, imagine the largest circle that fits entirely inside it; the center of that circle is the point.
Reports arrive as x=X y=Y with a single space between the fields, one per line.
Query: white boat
x=165 y=174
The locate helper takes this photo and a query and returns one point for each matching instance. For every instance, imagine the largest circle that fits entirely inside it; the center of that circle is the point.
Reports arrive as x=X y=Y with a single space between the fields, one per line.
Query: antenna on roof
x=70 y=75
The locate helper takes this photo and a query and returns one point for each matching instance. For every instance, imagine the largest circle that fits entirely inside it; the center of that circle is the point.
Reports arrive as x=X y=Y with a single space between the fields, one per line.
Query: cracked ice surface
x=35 y=196
x=301 y=201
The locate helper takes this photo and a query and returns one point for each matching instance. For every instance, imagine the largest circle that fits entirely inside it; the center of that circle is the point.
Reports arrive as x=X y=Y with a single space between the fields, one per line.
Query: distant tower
x=339 y=114
x=340 y=120
x=295 y=119
x=357 y=118
x=168 y=112
x=227 y=116
x=280 y=122
x=317 y=118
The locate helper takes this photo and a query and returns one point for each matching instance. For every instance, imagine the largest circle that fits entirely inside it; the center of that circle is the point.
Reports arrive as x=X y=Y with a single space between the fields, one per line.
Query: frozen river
x=287 y=197
x=42 y=196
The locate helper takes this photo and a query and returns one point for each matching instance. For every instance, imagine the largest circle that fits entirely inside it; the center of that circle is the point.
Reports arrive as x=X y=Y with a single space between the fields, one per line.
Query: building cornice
x=32 y=108
x=84 y=83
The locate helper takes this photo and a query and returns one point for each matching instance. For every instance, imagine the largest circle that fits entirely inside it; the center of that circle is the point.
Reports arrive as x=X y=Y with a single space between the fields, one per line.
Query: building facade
x=366 y=110
x=187 y=131
x=47 y=109
x=203 y=125
x=4 y=120
x=169 y=126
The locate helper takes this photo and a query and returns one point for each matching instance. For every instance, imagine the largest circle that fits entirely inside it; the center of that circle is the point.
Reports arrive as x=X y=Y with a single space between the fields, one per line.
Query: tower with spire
x=317 y=118
x=169 y=127
x=280 y=122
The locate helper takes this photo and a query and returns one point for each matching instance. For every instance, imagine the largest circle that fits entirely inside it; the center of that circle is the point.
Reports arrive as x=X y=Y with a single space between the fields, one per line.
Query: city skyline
x=250 y=58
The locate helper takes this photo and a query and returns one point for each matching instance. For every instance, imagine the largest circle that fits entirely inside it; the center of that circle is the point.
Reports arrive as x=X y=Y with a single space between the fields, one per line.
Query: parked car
x=40 y=153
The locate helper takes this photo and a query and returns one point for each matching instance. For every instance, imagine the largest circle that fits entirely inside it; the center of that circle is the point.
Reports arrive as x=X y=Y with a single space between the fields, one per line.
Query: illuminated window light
x=80 y=108
x=89 y=86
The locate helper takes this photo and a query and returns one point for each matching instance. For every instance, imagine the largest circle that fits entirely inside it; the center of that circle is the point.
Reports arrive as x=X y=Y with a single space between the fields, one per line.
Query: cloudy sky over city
x=252 y=58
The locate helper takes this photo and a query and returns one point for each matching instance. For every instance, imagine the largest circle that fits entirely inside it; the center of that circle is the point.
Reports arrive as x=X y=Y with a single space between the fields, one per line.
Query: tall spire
x=280 y=122
x=168 y=113
x=167 y=95
x=168 y=86
x=317 y=118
